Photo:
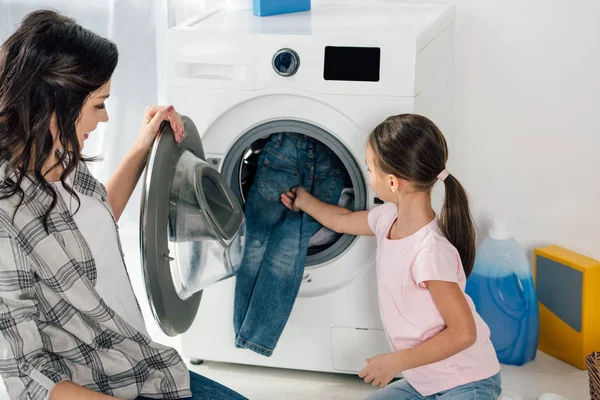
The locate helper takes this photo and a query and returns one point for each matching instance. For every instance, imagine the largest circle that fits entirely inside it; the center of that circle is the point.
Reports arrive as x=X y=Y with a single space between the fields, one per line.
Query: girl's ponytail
x=456 y=222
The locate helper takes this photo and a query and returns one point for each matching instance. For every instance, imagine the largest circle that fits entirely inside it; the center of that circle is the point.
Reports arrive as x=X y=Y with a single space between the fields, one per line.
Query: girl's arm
x=338 y=219
x=460 y=334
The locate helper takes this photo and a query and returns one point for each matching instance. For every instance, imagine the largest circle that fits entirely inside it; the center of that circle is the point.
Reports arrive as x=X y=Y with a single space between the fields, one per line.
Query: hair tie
x=443 y=175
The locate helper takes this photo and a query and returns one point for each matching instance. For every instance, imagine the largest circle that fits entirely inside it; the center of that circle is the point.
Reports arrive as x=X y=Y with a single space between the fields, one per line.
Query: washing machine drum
x=192 y=230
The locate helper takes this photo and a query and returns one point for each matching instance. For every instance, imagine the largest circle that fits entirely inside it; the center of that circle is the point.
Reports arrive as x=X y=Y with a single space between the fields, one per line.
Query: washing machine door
x=192 y=229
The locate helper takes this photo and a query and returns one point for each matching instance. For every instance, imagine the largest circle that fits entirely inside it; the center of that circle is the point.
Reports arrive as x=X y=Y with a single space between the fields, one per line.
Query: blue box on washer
x=263 y=8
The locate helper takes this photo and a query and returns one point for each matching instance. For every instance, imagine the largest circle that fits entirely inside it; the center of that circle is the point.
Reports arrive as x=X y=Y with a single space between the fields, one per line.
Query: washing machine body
x=332 y=73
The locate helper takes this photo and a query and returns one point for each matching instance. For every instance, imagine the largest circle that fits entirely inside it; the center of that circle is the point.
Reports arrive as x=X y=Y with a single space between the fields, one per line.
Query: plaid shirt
x=53 y=324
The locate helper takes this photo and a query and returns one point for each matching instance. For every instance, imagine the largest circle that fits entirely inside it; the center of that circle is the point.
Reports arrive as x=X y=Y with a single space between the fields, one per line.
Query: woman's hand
x=152 y=122
x=293 y=198
x=123 y=181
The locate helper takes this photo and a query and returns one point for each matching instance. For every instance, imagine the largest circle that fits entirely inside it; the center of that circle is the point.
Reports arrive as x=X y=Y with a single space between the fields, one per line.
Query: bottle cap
x=499 y=230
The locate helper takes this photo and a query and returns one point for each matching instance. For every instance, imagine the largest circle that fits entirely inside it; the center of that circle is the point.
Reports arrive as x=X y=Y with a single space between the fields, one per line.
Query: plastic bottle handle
x=516 y=312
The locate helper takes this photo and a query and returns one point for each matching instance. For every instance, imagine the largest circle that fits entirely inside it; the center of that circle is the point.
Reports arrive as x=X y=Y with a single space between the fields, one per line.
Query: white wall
x=527 y=132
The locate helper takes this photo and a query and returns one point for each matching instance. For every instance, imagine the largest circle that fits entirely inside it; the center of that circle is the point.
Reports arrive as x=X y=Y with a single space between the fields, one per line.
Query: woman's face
x=92 y=112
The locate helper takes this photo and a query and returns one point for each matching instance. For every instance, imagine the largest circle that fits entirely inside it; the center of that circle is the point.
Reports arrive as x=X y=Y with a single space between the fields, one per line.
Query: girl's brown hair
x=412 y=147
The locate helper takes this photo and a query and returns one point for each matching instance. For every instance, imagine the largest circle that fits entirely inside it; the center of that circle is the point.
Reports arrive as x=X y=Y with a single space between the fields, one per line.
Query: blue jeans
x=269 y=278
x=486 y=389
x=205 y=389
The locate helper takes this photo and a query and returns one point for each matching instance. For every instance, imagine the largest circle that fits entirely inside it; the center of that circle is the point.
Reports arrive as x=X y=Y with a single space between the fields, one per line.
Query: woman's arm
x=460 y=334
x=21 y=365
x=66 y=390
x=121 y=184
x=338 y=219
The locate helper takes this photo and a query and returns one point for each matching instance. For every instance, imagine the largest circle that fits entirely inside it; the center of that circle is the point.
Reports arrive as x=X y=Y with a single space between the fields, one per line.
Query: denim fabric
x=269 y=278
x=205 y=389
x=486 y=389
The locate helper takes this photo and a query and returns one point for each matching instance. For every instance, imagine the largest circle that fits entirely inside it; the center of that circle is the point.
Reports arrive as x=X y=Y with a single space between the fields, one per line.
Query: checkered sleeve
x=27 y=364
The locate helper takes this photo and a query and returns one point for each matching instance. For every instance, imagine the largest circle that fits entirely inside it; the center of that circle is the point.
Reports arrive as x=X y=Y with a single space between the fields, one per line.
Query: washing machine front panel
x=366 y=49
x=192 y=229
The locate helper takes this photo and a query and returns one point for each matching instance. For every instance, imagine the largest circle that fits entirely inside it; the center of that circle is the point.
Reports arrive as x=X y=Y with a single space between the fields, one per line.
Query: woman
x=70 y=326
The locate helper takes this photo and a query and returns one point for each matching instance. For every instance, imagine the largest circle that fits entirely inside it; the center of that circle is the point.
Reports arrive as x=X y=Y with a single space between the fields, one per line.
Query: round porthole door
x=192 y=228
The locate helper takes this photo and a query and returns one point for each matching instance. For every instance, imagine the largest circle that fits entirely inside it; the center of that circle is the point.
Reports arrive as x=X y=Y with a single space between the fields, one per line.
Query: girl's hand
x=380 y=370
x=152 y=122
x=292 y=199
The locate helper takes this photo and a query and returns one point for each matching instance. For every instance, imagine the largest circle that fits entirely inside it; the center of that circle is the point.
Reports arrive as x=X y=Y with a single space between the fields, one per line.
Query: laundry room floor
x=544 y=374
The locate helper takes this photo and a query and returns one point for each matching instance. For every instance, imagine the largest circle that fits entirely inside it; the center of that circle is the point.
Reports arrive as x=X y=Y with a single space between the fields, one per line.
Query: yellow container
x=568 y=289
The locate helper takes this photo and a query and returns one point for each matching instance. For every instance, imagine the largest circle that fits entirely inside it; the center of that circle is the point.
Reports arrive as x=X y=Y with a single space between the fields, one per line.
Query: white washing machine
x=333 y=74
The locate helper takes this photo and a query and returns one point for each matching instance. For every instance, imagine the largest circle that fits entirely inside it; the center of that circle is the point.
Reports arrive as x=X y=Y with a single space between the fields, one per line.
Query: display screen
x=358 y=64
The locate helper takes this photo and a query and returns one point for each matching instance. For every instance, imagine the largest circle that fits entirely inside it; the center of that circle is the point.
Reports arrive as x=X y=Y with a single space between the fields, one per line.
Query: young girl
x=439 y=342
x=70 y=326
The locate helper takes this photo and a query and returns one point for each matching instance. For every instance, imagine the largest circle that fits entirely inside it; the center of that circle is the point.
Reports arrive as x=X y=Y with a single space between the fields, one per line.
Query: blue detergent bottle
x=501 y=286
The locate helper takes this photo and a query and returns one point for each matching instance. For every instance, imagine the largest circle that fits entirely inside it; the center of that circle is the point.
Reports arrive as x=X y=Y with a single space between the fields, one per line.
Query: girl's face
x=384 y=185
x=93 y=112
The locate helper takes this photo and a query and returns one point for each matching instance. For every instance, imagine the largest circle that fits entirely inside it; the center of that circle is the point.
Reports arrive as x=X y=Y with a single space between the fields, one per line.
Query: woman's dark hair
x=411 y=147
x=48 y=67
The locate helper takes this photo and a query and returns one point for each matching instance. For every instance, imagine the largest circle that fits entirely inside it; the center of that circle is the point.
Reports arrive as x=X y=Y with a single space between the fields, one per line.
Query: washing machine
x=332 y=74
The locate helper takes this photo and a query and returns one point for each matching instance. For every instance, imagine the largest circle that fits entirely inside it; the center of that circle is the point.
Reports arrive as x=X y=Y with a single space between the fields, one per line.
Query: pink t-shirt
x=408 y=312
